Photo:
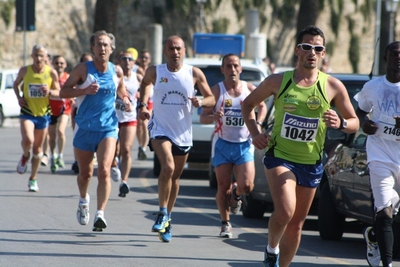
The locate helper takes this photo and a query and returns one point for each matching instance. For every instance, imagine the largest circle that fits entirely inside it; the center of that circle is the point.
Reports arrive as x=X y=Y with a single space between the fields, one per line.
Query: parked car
x=9 y=106
x=253 y=71
x=255 y=204
x=347 y=192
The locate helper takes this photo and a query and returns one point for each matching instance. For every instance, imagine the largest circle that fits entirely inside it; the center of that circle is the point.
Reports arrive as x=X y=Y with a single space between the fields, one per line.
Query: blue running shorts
x=307 y=175
x=234 y=153
x=90 y=140
x=40 y=122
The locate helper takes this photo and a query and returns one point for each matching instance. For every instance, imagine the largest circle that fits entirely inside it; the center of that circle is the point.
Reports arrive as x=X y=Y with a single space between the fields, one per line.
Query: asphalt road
x=40 y=229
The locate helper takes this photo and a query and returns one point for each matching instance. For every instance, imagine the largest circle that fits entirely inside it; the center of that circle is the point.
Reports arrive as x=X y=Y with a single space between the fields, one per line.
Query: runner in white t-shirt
x=380 y=100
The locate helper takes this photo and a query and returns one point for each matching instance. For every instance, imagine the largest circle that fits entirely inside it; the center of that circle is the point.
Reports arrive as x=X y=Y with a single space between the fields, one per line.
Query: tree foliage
x=6 y=9
x=182 y=17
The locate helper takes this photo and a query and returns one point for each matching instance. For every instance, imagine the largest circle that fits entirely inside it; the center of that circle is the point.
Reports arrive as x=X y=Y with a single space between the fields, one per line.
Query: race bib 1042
x=300 y=129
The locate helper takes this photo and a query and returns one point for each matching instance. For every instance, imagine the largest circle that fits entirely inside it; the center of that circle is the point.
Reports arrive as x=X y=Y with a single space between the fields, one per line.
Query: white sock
x=100 y=213
x=85 y=199
x=273 y=250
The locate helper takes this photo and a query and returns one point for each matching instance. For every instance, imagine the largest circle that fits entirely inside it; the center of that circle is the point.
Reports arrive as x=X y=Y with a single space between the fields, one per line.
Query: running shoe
x=99 y=223
x=53 y=165
x=45 y=160
x=82 y=214
x=22 y=165
x=123 y=189
x=115 y=174
x=141 y=154
x=226 y=230
x=234 y=204
x=60 y=162
x=161 y=222
x=95 y=163
x=33 y=186
x=271 y=260
x=75 y=167
x=373 y=255
x=167 y=235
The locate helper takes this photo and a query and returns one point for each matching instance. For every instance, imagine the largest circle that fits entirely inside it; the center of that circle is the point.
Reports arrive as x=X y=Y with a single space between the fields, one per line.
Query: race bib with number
x=386 y=129
x=35 y=92
x=233 y=117
x=119 y=105
x=300 y=129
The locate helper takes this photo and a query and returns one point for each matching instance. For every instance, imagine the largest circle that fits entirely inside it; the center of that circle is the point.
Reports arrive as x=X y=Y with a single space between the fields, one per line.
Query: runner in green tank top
x=293 y=158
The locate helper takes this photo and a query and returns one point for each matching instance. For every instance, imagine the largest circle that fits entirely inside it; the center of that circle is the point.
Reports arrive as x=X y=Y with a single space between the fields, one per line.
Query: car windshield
x=214 y=75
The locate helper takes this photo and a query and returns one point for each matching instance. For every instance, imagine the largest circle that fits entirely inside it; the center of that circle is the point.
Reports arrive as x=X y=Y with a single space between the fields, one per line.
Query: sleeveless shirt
x=172 y=108
x=37 y=102
x=299 y=132
x=57 y=104
x=132 y=86
x=231 y=126
x=96 y=112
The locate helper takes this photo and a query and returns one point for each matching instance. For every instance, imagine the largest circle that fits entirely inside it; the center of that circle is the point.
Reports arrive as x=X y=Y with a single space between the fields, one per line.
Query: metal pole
x=377 y=36
x=24 y=28
x=391 y=26
x=201 y=16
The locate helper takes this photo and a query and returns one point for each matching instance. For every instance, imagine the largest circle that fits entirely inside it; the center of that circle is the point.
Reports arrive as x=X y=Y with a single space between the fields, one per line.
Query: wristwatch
x=343 y=124
x=142 y=104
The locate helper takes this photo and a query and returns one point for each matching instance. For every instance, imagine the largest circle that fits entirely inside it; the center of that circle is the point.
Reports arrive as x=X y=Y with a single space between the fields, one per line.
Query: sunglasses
x=308 y=47
x=127 y=58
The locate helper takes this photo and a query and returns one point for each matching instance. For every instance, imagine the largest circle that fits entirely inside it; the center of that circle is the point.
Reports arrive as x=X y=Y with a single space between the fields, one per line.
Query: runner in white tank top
x=232 y=150
x=171 y=125
x=231 y=127
x=171 y=96
x=127 y=122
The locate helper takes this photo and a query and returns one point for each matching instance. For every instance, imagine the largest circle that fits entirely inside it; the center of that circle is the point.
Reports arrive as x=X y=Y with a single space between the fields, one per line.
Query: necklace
x=173 y=69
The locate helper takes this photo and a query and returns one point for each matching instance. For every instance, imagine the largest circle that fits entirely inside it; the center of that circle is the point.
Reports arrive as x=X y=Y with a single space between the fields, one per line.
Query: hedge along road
x=40 y=229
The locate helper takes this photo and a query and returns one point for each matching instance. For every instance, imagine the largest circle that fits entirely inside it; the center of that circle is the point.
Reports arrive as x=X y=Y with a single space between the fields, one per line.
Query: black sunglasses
x=127 y=58
x=308 y=47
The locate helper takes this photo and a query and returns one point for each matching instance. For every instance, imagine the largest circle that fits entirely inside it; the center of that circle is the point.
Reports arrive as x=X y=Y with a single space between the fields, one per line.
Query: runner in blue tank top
x=95 y=85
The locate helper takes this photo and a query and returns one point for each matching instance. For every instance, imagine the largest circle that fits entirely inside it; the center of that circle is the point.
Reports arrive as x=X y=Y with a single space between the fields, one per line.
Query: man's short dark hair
x=310 y=30
x=228 y=55
x=390 y=47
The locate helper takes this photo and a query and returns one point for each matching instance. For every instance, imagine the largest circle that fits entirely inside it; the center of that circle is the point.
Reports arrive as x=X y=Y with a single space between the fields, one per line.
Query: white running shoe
x=115 y=174
x=226 y=230
x=33 y=186
x=99 y=223
x=82 y=214
x=22 y=165
x=234 y=204
x=45 y=160
x=373 y=254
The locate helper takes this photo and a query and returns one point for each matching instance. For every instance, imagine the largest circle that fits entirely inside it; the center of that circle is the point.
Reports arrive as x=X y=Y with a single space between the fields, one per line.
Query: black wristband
x=142 y=104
